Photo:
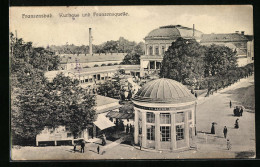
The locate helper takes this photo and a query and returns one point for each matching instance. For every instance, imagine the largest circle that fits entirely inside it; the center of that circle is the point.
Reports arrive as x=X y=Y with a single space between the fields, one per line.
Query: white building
x=62 y=135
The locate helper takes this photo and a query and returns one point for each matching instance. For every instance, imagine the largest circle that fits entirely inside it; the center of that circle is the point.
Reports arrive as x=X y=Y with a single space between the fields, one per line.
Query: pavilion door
x=180 y=138
x=165 y=137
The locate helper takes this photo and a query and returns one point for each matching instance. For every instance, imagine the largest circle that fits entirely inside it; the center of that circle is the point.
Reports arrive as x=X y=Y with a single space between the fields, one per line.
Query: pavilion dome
x=173 y=32
x=164 y=91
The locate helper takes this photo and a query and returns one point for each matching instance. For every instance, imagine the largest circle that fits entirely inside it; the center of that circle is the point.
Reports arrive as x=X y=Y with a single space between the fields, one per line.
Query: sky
x=134 y=27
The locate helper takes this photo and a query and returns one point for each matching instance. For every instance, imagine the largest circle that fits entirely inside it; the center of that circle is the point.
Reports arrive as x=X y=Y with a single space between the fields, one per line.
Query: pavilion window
x=150 y=118
x=150 y=133
x=165 y=118
x=151 y=50
x=179 y=132
x=179 y=117
x=86 y=80
x=165 y=133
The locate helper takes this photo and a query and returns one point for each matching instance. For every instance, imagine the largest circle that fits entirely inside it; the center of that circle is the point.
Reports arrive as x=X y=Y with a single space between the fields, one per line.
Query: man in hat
x=82 y=146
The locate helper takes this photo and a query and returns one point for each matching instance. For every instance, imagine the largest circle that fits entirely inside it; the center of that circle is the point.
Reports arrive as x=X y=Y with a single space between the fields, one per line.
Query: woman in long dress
x=212 y=129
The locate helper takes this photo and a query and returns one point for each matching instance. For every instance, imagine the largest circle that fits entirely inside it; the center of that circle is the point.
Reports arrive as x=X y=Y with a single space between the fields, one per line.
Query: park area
x=215 y=108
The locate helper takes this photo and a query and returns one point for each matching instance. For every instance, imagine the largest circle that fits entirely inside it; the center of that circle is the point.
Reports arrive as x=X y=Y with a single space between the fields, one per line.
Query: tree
x=131 y=59
x=219 y=59
x=112 y=88
x=36 y=102
x=72 y=106
x=183 y=61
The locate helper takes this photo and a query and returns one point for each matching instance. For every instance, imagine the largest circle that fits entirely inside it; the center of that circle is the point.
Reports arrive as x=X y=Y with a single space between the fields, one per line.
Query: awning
x=102 y=122
x=144 y=64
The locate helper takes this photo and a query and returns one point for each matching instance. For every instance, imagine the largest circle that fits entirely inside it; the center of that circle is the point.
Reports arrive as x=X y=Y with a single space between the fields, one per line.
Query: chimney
x=237 y=32
x=193 y=33
x=242 y=32
x=90 y=42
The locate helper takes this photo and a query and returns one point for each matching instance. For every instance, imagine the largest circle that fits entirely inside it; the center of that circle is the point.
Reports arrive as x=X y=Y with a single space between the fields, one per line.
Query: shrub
x=103 y=64
x=109 y=64
x=95 y=65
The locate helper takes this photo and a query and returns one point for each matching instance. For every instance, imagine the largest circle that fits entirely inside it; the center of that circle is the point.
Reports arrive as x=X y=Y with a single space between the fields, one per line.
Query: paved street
x=210 y=109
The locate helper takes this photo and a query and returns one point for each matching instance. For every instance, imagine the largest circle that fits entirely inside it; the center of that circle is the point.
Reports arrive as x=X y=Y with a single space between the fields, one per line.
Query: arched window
x=157 y=51
x=151 y=50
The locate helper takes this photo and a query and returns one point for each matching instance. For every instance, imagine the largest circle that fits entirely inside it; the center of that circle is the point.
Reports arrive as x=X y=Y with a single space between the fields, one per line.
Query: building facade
x=158 y=41
x=165 y=115
x=238 y=41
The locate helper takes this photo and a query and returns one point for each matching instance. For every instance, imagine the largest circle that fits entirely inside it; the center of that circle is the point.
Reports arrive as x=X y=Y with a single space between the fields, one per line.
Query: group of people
x=238 y=111
x=129 y=128
x=82 y=145
x=225 y=131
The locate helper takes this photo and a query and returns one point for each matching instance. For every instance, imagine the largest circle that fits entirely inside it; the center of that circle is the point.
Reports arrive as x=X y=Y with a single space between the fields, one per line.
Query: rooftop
x=82 y=58
x=164 y=91
x=232 y=37
x=105 y=104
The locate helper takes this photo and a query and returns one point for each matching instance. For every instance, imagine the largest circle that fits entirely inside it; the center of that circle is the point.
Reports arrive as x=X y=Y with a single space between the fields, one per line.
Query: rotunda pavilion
x=165 y=114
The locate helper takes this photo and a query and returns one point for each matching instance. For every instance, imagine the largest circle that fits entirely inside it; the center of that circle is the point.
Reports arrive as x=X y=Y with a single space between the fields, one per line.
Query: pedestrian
x=225 y=132
x=131 y=128
x=98 y=149
x=228 y=144
x=241 y=112
x=213 y=129
x=75 y=145
x=127 y=128
x=104 y=139
x=196 y=95
x=82 y=146
x=230 y=104
x=140 y=142
x=236 y=124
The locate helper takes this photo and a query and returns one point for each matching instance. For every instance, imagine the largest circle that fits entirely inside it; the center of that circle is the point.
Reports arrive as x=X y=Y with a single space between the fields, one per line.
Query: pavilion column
x=153 y=50
x=146 y=49
x=193 y=123
x=136 y=127
x=37 y=142
x=149 y=66
x=186 y=129
x=195 y=118
x=160 y=51
x=143 y=129
x=157 y=131
x=155 y=64
x=173 y=132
